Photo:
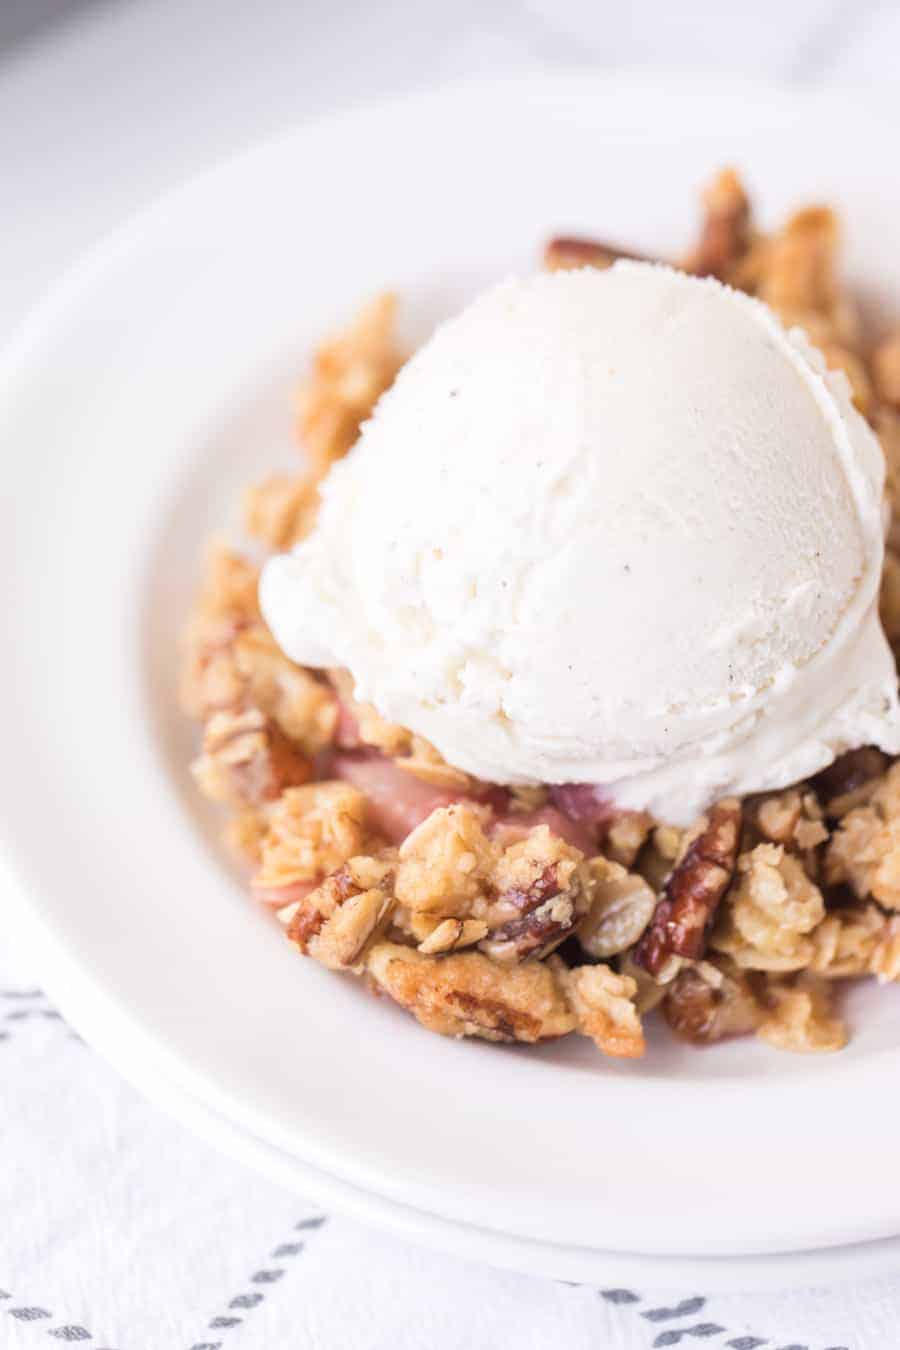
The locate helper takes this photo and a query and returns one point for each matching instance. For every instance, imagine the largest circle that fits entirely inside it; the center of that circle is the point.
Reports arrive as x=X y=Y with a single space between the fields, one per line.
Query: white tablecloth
x=117 y=1228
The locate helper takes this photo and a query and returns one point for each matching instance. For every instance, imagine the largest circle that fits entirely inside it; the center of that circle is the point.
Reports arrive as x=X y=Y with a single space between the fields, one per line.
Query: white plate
x=139 y=398
x=824 y=1267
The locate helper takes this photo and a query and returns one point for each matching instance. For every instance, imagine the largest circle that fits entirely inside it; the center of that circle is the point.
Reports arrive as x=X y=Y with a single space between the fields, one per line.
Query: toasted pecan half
x=692 y=893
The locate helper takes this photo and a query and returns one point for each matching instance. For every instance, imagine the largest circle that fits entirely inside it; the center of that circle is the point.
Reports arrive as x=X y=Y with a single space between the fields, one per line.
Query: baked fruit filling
x=526 y=913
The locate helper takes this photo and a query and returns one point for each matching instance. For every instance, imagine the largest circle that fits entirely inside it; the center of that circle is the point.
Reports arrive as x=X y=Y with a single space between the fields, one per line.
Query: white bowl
x=138 y=400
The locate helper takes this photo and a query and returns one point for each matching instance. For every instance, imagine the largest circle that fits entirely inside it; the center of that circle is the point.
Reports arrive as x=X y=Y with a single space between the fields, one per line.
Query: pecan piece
x=566 y=252
x=709 y=1002
x=336 y=922
x=542 y=888
x=847 y=781
x=468 y=995
x=692 y=893
x=725 y=234
x=548 y=914
x=247 y=759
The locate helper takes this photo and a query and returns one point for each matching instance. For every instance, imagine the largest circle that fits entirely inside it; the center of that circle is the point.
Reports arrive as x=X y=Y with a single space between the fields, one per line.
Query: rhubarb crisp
x=528 y=913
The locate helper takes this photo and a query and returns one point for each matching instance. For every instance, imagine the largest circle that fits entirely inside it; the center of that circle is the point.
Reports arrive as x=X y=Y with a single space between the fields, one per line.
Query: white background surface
x=99 y=114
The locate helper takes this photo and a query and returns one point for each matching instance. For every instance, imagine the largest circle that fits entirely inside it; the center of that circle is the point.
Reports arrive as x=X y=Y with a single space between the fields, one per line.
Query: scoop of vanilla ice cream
x=612 y=527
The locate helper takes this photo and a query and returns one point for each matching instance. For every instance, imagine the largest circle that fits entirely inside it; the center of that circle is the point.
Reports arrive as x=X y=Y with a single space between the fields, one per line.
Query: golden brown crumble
x=485 y=921
x=234 y=664
x=311 y=831
x=350 y=373
x=602 y=1002
x=800 y=1016
x=282 y=509
x=337 y=921
x=469 y=995
x=865 y=849
x=445 y=863
x=772 y=908
x=247 y=759
x=627 y=835
x=853 y=941
x=541 y=888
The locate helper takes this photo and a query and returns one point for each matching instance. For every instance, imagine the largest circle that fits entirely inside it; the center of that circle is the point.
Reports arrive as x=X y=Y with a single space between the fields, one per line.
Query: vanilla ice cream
x=610 y=527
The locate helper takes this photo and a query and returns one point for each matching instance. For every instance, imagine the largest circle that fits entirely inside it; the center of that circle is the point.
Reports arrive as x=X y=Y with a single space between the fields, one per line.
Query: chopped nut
x=451 y=934
x=800 y=1017
x=710 y=1001
x=622 y=905
x=542 y=889
x=691 y=896
x=336 y=922
x=469 y=995
x=563 y=253
x=604 y=1008
x=800 y=277
x=850 y=780
x=771 y=909
x=247 y=760
x=725 y=235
